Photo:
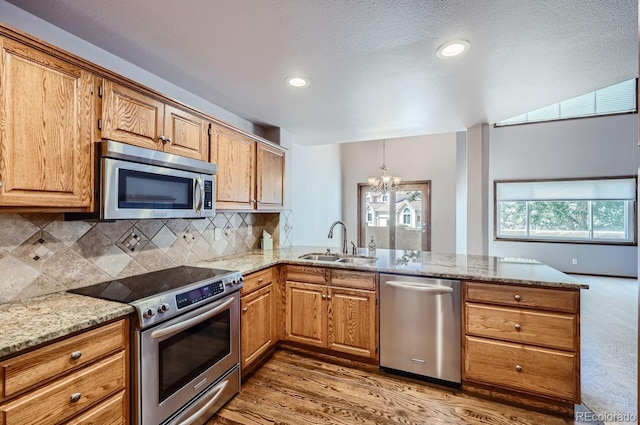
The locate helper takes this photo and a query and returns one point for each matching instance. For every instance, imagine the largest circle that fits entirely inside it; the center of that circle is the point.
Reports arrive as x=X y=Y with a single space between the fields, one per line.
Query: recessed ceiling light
x=453 y=48
x=297 y=82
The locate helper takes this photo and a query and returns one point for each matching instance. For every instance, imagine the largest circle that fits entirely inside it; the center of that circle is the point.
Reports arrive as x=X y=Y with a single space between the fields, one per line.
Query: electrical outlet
x=574 y=261
x=217 y=234
x=249 y=229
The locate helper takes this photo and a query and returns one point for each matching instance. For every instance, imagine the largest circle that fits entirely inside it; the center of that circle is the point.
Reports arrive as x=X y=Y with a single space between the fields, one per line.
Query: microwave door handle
x=186 y=324
x=198 y=189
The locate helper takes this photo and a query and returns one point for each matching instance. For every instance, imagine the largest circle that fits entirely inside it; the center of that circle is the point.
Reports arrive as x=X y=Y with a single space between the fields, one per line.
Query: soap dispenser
x=372 y=247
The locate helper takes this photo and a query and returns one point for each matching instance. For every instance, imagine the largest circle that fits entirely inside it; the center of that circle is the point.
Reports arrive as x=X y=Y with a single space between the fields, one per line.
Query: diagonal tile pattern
x=41 y=253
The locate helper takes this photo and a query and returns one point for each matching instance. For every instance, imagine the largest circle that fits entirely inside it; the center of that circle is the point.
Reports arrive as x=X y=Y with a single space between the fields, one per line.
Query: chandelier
x=384 y=183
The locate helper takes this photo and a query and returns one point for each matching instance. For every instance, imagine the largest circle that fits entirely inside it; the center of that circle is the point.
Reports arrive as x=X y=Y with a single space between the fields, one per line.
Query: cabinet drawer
x=112 y=411
x=554 y=330
x=352 y=279
x=53 y=403
x=44 y=363
x=257 y=280
x=306 y=274
x=523 y=296
x=535 y=370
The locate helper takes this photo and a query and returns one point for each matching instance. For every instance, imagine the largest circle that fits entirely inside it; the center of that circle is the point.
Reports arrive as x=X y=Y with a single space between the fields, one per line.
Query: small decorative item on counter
x=372 y=247
x=267 y=241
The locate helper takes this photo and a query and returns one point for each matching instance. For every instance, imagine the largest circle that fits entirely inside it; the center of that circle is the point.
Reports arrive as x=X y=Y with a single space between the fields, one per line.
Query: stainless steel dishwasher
x=420 y=327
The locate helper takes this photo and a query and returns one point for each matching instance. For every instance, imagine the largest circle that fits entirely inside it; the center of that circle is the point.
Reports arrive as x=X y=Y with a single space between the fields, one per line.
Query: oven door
x=134 y=190
x=181 y=358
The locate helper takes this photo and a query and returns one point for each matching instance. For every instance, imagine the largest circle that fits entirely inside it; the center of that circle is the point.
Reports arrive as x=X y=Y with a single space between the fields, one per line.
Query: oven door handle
x=198 y=415
x=179 y=327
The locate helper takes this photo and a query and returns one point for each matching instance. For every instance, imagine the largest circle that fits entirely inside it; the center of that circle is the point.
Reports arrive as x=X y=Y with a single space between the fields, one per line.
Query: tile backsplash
x=42 y=253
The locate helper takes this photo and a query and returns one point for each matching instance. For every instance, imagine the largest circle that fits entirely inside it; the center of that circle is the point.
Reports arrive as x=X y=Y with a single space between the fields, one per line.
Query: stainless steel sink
x=357 y=260
x=320 y=257
x=337 y=258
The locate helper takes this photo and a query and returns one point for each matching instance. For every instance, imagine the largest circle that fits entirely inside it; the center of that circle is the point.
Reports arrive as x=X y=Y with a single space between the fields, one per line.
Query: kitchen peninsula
x=542 y=301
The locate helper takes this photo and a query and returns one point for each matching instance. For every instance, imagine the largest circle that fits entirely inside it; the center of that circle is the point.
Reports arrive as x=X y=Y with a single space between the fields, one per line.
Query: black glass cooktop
x=134 y=288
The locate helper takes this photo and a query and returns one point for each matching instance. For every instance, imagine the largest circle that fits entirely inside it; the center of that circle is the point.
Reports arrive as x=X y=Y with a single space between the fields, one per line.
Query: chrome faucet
x=344 y=235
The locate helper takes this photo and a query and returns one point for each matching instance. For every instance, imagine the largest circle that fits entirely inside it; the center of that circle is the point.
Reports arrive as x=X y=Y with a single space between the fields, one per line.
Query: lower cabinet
x=79 y=380
x=523 y=344
x=258 y=319
x=339 y=318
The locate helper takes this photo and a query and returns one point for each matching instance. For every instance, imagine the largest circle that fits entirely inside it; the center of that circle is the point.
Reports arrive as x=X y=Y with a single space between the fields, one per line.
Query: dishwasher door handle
x=423 y=287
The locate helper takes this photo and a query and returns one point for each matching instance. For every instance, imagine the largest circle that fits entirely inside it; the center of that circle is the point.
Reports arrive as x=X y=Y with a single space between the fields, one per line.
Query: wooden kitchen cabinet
x=324 y=309
x=522 y=344
x=46 y=134
x=250 y=172
x=81 y=379
x=258 y=321
x=132 y=116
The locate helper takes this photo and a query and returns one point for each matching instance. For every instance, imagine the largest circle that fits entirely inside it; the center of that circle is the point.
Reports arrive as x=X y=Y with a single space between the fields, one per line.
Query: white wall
x=316 y=201
x=592 y=147
x=30 y=24
x=430 y=157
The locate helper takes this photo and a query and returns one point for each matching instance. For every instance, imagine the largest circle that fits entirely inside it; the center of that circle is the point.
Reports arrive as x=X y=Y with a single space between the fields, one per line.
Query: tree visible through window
x=560 y=210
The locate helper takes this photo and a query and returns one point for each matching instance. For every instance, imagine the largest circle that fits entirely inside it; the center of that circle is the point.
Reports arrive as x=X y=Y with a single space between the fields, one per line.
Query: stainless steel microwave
x=139 y=183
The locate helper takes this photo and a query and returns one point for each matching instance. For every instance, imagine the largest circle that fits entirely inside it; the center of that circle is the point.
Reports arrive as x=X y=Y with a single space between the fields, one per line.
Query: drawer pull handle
x=518 y=368
x=517 y=326
x=75 y=397
x=260 y=280
x=517 y=297
x=76 y=355
x=244 y=309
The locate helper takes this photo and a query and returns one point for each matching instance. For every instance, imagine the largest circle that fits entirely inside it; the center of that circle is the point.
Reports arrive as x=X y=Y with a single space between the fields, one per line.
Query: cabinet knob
x=164 y=139
x=324 y=297
x=169 y=140
x=244 y=309
x=328 y=297
x=260 y=280
x=76 y=355
x=75 y=397
x=517 y=326
x=517 y=297
x=518 y=368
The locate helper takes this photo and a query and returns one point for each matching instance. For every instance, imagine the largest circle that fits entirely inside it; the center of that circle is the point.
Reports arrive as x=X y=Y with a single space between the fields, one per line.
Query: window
x=616 y=99
x=406 y=216
x=388 y=217
x=598 y=210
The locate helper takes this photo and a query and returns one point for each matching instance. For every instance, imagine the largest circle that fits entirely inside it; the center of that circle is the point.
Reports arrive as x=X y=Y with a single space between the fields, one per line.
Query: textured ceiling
x=372 y=64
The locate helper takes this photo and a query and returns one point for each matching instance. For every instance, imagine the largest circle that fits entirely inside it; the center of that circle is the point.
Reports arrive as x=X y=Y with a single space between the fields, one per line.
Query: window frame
x=632 y=214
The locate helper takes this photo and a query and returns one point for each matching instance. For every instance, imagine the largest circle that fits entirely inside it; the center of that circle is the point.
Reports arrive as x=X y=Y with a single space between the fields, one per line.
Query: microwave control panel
x=208 y=194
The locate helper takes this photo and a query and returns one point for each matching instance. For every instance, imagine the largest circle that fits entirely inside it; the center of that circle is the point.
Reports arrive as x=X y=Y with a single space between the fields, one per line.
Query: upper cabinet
x=250 y=172
x=46 y=134
x=269 y=176
x=140 y=119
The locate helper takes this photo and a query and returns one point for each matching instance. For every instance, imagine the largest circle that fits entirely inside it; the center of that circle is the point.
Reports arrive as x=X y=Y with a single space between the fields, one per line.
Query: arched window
x=369 y=215
x=406 y=216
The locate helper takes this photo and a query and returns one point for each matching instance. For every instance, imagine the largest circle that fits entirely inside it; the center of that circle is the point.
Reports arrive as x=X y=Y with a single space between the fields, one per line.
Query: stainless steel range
x=185 y=341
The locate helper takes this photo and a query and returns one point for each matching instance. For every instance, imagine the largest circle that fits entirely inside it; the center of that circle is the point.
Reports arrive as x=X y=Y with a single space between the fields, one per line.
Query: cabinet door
x=306 y=313
x=269 y=177
x=45 y=130
x=257 y=324
x=352 y=322
x=188 y=132
x=235 y=156
x=131 y=117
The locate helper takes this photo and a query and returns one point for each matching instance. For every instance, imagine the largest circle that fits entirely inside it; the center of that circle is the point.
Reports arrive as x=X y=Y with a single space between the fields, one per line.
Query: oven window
x=140 y=190
x=191 y=352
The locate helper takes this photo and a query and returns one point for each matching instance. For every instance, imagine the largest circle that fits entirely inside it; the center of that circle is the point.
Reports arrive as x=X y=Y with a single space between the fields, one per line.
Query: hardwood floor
x=294 y=388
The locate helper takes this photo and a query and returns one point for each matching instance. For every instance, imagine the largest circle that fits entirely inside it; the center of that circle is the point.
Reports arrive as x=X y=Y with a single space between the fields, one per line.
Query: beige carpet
x=609 y=343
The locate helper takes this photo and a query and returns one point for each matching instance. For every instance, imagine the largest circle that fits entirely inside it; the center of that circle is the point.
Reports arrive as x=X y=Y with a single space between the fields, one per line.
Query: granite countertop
x=517 y=271
x=33 y=321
